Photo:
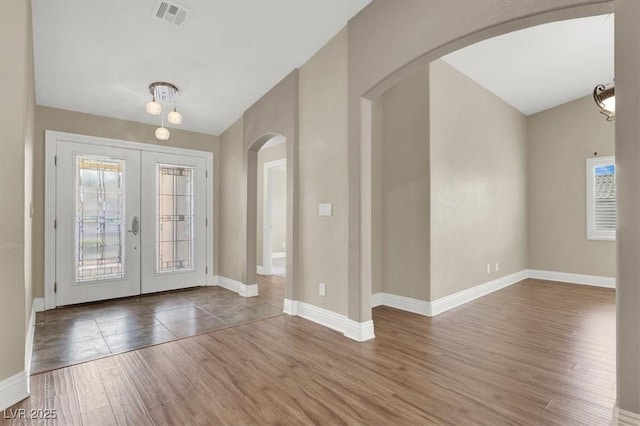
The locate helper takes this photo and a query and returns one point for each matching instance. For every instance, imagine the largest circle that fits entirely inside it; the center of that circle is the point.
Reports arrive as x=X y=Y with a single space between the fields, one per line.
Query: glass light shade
x=174 y=117
x=162 y=133
x=154 y=108
x=610 y=104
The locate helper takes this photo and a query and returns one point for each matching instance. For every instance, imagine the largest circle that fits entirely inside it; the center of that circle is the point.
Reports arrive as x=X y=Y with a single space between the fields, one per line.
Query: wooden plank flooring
x=533 y=353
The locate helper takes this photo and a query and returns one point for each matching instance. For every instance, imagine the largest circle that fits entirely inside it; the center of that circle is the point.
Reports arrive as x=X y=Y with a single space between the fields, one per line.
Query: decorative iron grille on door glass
x=99 y=218
x=175 y=218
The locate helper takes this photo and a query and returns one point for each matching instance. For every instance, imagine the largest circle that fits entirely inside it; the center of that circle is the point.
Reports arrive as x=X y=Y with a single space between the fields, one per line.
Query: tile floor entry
x=71 y=335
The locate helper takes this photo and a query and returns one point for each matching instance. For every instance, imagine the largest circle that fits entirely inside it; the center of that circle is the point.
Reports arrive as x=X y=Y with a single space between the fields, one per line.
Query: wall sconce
x=605 y=98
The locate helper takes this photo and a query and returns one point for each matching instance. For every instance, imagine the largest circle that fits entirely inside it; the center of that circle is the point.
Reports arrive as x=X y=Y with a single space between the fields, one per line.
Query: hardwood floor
x=271 y=288
x=533 y=353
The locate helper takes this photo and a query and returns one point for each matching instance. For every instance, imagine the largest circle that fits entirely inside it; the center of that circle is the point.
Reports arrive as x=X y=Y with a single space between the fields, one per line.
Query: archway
x=370 y=76
x=425 y=41
x=376 y=63
x=274 y=115
x=254 y=193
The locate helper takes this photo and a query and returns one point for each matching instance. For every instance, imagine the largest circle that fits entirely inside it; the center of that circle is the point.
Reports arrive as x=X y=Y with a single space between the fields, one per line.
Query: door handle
x=135 y=226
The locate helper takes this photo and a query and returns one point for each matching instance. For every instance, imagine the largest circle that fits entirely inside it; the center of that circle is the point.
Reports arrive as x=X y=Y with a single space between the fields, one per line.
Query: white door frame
x=51 y=139
x=267 y=183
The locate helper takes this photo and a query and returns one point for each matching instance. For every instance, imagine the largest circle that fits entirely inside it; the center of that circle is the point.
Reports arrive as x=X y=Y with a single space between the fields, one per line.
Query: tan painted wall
x=231 y=203
x=377 y=138
x=279 y=211
x=94 y=125
x=16 y=182
x=30 y=94
x=405 y=188
x=476 y=208
x=627 y=35
x=559 y=142
x=323 y=176
x=478 y=184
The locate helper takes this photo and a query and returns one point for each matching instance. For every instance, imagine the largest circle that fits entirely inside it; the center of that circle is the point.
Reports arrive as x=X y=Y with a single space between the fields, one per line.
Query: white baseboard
x=359 y=331
x=14 y=389
x=433 y=308
x=436 y=307
x=279 y=255
x=289 y=307
x=259 y=270
x=376 y=299
x=38 y=304
x=449 y=302
x=408 y=304
x=625 y=418
x=246 y=290
x=565 y=277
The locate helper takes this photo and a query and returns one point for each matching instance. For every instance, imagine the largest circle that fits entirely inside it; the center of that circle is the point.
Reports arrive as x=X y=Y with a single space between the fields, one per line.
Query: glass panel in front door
x=99 y=218
x=174 y=218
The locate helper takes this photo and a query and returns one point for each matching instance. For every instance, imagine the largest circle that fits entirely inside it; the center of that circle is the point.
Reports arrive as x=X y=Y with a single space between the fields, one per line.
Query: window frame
x=594 y=234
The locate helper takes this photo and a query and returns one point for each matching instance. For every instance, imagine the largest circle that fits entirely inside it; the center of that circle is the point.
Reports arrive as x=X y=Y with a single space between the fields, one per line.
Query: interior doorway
x=271 y=219
x=272 y=208
x=274 y=218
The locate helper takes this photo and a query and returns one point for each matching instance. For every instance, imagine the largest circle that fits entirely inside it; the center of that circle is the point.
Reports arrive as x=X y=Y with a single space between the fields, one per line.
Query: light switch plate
x=324 y=209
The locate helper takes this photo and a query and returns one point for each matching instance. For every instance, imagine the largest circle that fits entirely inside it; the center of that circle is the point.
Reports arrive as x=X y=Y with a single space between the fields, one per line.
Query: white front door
x=98 y=203
x=129 y=221
x=174 y=209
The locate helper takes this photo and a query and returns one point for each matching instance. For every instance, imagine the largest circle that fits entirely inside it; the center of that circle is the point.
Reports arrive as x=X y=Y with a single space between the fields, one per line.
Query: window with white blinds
x=601 y=198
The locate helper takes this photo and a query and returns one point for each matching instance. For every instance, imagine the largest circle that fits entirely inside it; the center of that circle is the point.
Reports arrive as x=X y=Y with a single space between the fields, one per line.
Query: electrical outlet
x=284 y=244
x=322 y=289
x=497 y=266
x=488 y=268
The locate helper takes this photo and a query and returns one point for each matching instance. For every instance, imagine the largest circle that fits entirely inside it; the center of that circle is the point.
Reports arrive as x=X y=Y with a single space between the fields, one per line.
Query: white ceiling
x=541 y=67
x=99 y=56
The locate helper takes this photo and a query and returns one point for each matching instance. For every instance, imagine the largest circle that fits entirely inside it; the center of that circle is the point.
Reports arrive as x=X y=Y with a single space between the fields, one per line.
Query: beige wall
x=279 y=212
x=377 y=139
x=16 y=183
x=405 y=188
x=478 y=184
x=94 y=125
x=30 y=94
x=231 y=203
x=627 y=35
x=323 y=177
x=453 y=185
x=559 y=142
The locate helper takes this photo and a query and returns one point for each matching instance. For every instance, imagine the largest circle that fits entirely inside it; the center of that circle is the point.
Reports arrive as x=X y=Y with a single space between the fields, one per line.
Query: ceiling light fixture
x=163 y=92
x=174 y=117
x=605 y=98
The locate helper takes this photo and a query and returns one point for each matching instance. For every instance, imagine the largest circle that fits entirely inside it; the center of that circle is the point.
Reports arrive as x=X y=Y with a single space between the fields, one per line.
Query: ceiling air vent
x=170 y=12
